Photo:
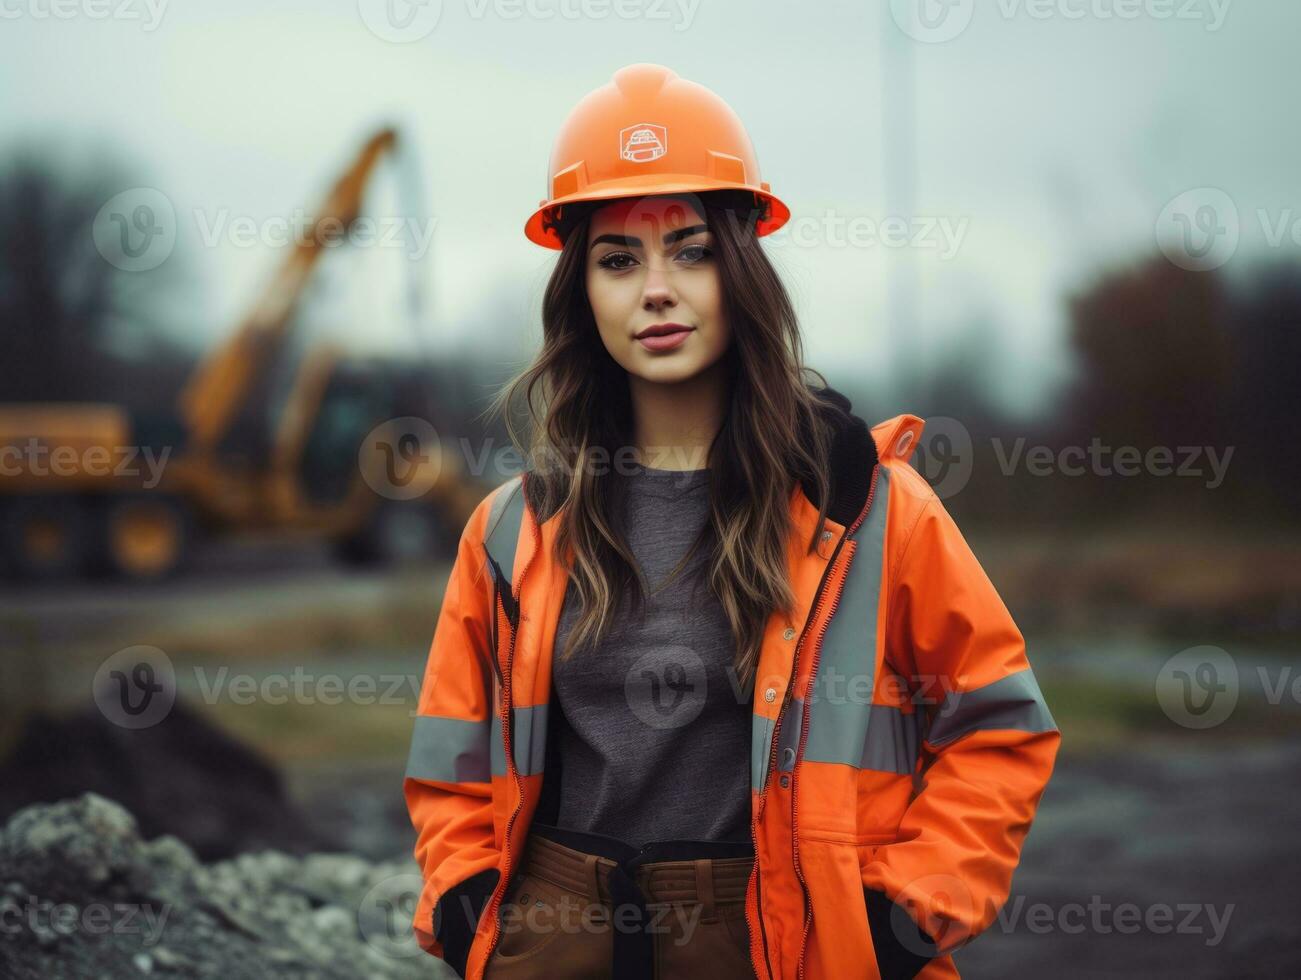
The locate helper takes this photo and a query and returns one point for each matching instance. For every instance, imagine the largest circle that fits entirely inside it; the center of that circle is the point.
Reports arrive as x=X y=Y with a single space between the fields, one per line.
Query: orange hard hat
x=647 y=131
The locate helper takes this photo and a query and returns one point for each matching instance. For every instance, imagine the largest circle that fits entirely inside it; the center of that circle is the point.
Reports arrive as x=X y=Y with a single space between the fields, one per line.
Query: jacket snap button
x=770 y=695
x=786 y=781
x=826 y=535
x=789 y=634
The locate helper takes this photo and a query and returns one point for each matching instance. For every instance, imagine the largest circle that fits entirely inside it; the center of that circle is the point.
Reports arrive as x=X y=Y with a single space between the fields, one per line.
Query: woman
x=717 y=687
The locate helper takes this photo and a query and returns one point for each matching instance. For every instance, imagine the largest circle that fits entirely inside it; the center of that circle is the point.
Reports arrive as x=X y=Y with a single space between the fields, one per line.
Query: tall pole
x=898 y=149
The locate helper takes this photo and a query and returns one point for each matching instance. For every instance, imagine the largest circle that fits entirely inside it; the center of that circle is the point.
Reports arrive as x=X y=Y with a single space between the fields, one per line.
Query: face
x=653 y=283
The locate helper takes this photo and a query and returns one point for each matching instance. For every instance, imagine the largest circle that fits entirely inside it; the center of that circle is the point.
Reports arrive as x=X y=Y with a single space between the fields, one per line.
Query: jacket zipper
x=508 y=742
x=804 y=725
x=772 y=749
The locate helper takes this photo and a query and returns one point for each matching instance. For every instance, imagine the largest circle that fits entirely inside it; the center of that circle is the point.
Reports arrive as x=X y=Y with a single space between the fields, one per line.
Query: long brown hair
x=773 y=433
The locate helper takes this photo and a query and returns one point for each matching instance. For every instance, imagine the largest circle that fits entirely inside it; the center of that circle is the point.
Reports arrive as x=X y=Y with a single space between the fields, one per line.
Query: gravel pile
x=83 y=895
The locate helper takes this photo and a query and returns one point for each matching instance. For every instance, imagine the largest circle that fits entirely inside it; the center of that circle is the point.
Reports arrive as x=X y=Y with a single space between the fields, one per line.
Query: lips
x=663 y=336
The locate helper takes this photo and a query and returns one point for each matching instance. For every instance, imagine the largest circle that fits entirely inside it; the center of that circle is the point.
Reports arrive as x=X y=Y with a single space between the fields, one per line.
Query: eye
x=616 y=260
x=692 y=254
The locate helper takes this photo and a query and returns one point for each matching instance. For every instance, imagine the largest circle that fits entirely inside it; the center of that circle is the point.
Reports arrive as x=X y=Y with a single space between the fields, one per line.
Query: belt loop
x=705 y=888
x=590 y=864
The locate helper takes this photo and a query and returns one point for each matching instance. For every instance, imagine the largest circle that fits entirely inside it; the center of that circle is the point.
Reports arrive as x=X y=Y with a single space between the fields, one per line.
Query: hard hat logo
x=643 y=143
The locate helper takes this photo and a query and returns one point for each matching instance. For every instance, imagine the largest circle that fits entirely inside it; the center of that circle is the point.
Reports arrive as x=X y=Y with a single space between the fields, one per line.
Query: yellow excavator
x=88 y=489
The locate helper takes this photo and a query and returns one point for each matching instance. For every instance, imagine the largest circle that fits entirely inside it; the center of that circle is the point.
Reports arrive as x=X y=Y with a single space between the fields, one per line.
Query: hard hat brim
x=647 y=186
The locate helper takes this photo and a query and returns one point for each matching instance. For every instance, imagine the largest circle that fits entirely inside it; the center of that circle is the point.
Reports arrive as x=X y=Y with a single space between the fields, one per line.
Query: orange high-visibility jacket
x=900 y=741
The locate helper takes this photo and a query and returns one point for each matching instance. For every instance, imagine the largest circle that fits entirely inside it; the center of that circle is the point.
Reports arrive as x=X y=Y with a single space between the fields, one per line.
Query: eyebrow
x=669 y=239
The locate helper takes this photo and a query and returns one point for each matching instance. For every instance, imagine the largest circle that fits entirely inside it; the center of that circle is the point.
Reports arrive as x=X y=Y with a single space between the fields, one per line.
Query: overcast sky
x=1041 y=143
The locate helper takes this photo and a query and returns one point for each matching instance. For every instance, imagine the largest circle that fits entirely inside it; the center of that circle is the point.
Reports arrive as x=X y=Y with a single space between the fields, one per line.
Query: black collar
x=853 y=458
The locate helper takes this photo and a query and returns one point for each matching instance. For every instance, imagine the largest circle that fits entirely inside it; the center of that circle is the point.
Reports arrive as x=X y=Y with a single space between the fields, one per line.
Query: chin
x=666 y=370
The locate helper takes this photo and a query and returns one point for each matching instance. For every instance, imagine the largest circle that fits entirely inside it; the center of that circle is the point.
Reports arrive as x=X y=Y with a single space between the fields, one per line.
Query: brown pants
x=590 y=907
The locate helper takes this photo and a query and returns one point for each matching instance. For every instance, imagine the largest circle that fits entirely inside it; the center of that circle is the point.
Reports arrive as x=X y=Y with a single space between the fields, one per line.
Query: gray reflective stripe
x=529 y=735
x=449 y=750
x=505 y=517
x=844 y=725
x=892 y=741
x=760 y=744
x=1011 y=703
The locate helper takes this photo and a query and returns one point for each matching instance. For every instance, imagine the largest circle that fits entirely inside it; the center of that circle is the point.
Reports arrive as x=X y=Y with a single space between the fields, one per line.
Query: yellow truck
x=88 y=489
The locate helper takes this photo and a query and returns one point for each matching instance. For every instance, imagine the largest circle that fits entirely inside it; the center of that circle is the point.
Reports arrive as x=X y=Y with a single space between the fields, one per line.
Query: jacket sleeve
x=988 y=747
x=448 y=783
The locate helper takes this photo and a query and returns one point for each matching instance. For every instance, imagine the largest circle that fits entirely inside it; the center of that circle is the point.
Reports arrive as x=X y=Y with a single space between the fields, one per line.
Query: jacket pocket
x=839 y=942
x=533 y=914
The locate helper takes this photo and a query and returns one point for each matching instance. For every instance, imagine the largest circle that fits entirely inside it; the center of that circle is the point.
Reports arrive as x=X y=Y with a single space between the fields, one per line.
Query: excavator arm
x=215 y=391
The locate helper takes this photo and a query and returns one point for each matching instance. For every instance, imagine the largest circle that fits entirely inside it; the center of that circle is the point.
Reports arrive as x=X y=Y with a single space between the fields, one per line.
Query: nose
x=657 y=290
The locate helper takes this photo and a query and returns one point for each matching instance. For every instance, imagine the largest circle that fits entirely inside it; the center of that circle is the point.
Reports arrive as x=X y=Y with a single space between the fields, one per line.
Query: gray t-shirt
x=655 y=735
